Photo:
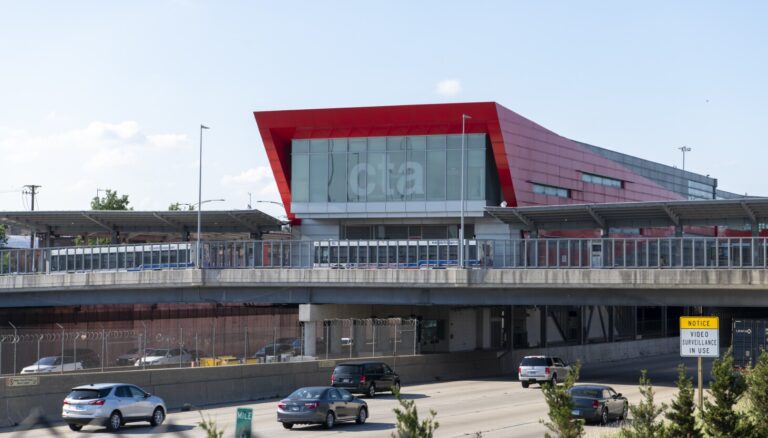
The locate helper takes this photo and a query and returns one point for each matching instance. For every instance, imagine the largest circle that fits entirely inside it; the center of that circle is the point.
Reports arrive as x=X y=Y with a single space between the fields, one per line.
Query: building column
x=310 y=338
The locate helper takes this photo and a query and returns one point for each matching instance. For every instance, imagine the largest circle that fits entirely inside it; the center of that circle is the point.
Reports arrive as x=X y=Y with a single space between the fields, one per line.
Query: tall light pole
x=684 y=149
x=193 y=204
x=464 y=118
x=199 y=195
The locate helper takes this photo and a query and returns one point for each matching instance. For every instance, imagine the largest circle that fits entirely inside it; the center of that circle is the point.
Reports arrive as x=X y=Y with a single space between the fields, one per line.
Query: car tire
x=525 y=384
x=554 y=380
x=115 y=421
x=288 y=425
x=158 y=416
x=624 y=412
x=76 y=427
x=372 y=390
x=362 y=415
x=603 y=417
x=330 y=420
x=395 y=388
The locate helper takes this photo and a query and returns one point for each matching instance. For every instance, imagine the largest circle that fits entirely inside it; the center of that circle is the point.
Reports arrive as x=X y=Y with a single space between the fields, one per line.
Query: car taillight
x=520 y=370
x=333 y=378
x=99 y=402
x=546 y=370
x=281 y=405
x=362 y=379
x=66 y=402
x=311 y=405
x=595 y=404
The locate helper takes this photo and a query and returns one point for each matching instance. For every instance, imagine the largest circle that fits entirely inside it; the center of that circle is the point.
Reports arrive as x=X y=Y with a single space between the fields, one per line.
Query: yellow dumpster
x=207 y=362
x=227 y=360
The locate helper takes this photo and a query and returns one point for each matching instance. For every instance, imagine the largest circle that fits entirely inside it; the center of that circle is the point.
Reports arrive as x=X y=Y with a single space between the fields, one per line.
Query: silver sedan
x=321 y=405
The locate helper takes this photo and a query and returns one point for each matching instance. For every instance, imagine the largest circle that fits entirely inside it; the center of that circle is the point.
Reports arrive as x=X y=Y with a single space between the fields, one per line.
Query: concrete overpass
x=617 y=287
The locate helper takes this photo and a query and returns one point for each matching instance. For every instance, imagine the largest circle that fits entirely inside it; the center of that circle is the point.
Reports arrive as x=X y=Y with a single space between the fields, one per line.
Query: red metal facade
x=525 y=152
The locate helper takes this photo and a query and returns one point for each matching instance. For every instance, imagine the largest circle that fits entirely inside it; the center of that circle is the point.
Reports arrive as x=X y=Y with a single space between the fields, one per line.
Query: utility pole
x=31 y=189
x=684 y=149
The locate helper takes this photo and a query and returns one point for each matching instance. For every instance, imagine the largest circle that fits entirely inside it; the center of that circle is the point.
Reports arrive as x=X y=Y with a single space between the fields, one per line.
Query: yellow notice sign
x=699 y=322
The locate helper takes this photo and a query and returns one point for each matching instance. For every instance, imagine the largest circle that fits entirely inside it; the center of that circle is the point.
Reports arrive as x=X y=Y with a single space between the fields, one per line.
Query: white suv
x=111 y=404
x=540 y=369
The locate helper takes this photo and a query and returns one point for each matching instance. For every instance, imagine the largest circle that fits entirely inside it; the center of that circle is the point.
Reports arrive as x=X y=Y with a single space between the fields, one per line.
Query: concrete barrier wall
x=237 y=383
x=592 y=353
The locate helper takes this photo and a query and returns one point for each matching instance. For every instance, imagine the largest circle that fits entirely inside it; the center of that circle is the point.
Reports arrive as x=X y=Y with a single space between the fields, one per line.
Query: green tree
x=408 y=423
x=176 y=206
x=110 y=201
x=3 y=236
x=681 y=414
x=725 y=390
x=757 y=394
x=560 y=403
x=645 y=422
x=210 y=427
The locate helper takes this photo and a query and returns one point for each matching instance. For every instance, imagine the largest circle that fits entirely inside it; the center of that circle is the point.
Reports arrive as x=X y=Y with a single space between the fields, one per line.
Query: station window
x=543 y=189
x=601 y=180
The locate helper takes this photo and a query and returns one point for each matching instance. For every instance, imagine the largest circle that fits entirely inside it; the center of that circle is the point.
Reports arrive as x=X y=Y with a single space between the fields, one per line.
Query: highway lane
x=496 y=407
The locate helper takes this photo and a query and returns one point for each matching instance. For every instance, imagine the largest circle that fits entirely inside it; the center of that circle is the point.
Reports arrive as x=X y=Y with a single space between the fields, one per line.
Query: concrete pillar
x=310 y=338
x=486 y=328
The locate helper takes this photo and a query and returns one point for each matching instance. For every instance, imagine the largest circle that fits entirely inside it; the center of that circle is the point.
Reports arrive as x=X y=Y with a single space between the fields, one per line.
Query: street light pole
x=684 y=149
x=199 y=196
x=464 y=118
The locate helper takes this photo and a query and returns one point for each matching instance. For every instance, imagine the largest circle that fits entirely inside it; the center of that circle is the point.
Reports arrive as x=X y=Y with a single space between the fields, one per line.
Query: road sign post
x=700 y=337
x=243 y=423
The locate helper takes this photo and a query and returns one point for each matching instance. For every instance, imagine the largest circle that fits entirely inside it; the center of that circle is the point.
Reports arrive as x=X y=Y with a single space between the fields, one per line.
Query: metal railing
x=609 y=253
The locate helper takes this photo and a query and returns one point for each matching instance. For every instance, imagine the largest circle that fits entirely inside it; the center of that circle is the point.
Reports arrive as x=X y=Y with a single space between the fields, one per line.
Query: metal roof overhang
x=98 y=221
x=721 y=212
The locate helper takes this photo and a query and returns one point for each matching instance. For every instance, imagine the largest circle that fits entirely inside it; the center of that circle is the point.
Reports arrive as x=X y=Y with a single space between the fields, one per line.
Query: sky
x=110 y=95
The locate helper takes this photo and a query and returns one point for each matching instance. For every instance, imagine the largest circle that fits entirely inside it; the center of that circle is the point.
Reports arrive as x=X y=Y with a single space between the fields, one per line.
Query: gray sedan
x=598 y=403
x=321 y=405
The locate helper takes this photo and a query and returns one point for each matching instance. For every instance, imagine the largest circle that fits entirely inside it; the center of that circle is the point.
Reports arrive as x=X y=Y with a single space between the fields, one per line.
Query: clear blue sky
x=110 y=95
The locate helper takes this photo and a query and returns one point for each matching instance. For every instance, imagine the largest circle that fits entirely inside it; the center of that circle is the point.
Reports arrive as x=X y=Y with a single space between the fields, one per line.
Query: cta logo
x=405 y=180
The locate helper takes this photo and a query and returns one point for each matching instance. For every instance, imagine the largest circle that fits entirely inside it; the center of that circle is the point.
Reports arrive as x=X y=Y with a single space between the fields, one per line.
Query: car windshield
x=88 y=394
x=347 y=369
x=307 y=394
x=534 y=362
x=586 y=392
x=53 y=360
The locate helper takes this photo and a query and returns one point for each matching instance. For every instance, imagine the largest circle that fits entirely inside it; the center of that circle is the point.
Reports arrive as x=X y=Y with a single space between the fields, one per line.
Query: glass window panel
x=339 y=145
x=300 y=146
x=415 y=175
x=476 y=141
x=357 y=144
x=417 y=143
x=377 y=177
x=453 y=175
x=396 y=143
x=476 y=174
x=318 y=178
x=454 y=141
x=337 y=191
x=436 y=142
x=436 y=175
x=357 y=178
x=396 y=168
x=377 y=143
x=318 y=146
x=300 y=178
x=601 y=180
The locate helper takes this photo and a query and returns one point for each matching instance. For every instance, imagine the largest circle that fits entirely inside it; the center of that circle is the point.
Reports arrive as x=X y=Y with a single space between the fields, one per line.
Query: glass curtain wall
x=387 y=169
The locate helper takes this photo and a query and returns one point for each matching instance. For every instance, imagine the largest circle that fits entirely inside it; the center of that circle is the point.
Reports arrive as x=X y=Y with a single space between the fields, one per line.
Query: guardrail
x=610 y=253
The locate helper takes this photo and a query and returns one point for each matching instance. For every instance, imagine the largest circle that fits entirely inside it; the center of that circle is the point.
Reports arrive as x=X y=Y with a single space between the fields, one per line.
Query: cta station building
x=394 y=173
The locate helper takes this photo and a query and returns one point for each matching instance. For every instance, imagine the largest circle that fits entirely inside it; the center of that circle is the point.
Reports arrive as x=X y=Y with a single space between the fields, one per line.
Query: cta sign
x=699 y=336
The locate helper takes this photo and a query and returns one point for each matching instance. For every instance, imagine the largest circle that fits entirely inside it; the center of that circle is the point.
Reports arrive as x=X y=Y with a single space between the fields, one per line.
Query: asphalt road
x=495 y=407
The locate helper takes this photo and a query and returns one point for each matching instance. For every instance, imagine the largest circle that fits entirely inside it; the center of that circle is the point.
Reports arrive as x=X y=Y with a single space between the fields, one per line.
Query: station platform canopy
x=722 y=212
x=129 y=221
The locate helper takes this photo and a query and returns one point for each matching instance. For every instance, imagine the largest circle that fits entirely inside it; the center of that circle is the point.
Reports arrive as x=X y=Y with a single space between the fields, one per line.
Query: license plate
x=575 y=412
x=346 y=380
x=77 y=408
x=294 y=408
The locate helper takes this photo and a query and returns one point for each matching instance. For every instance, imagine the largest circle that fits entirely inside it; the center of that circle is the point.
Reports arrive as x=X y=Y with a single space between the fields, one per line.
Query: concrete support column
x=485 y=318
x=310 y=338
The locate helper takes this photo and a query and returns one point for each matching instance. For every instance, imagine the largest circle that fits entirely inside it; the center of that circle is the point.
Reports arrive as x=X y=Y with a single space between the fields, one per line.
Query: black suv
x=365 y=377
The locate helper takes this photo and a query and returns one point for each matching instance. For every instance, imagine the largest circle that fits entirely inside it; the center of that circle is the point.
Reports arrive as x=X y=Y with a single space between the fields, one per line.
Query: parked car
x=295 y=343
x=365 y=377
x=540 y=369
x=86 y=356
x=276 y=349
x=111 y=405
x=52 y=364
x=164 y=356
x=129 y=358
x=321 y=405
x=598 y=403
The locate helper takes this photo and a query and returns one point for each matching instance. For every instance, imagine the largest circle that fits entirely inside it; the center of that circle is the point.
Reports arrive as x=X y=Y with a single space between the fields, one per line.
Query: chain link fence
x=158 y=344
